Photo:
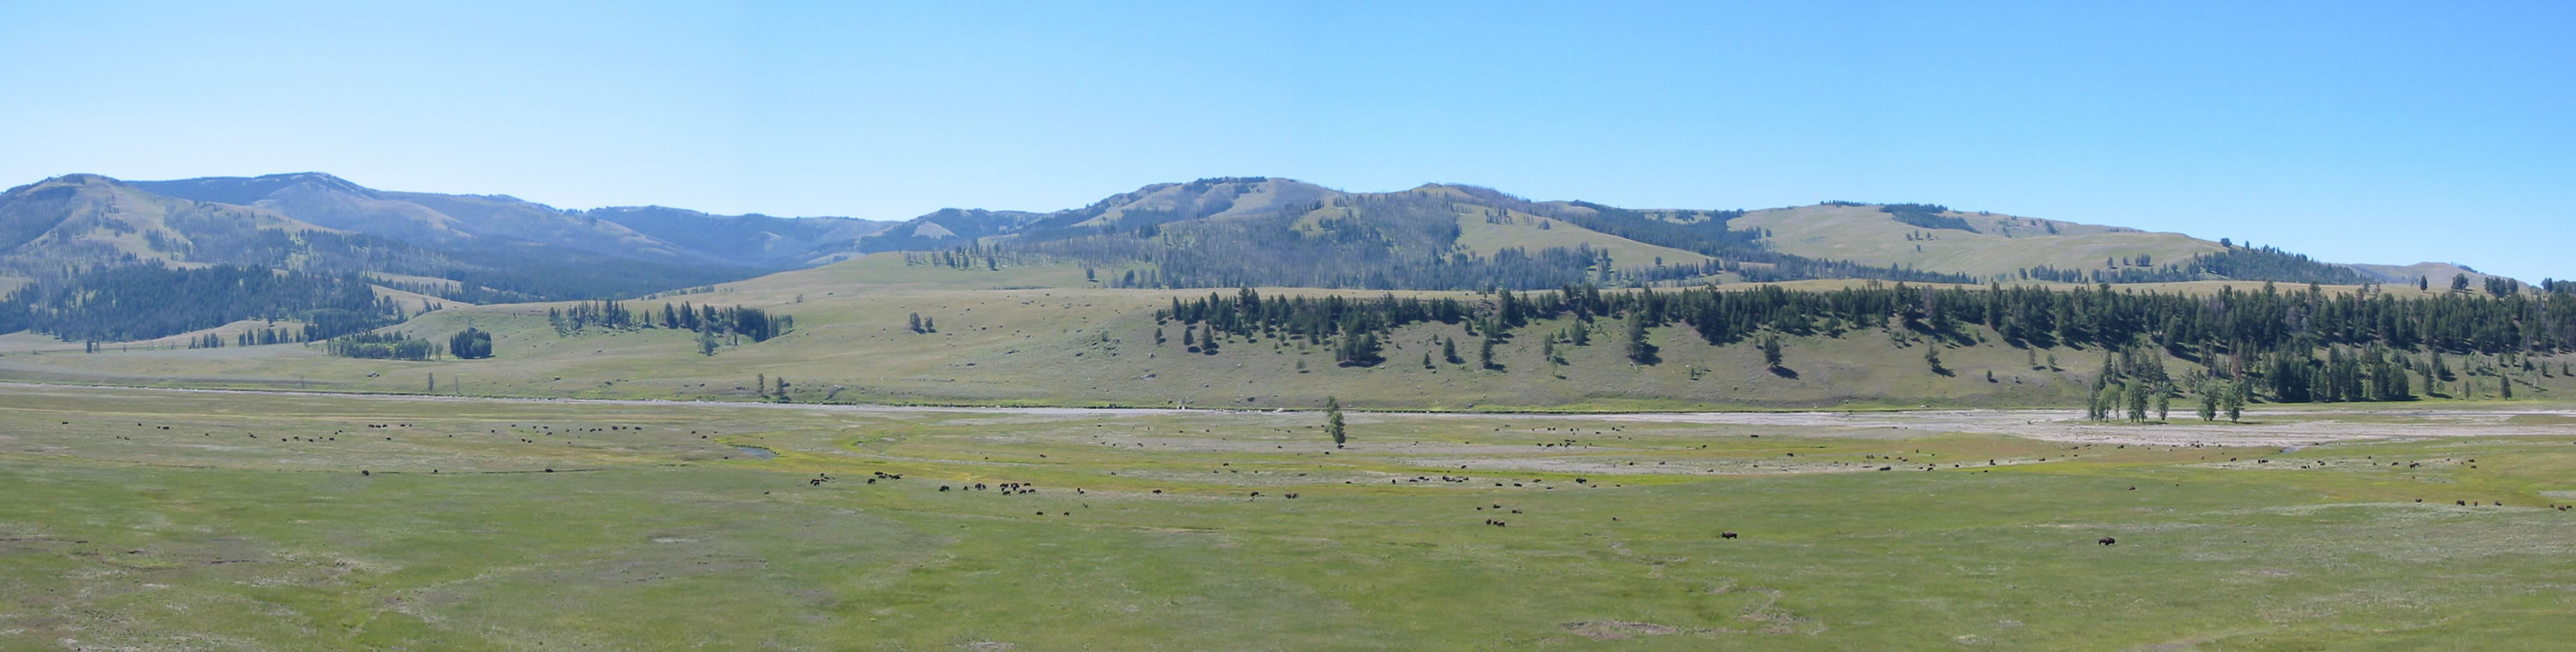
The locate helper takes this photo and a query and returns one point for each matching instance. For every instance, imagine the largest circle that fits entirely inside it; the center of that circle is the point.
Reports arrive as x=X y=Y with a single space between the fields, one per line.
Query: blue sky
x=2354 y=131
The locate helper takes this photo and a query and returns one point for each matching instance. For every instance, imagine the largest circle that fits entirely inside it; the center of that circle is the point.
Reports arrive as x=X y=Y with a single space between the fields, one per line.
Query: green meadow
x=161 y=519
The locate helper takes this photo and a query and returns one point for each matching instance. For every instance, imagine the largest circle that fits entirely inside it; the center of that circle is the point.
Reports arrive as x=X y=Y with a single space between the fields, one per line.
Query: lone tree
x=1771 y=351
x=1333 y=420
x=1639 y=351
x=2234 y=401
x=2209 y=402
x=916 y=323
x=706 y=342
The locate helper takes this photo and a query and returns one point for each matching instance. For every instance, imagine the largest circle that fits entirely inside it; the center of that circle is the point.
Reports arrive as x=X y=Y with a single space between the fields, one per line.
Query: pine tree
x=2164 y=403
x=1638 y=350
x=1485 y=353
x=1333 y=420
x=916 y=322
x=1771 y=351
x=1449 y=350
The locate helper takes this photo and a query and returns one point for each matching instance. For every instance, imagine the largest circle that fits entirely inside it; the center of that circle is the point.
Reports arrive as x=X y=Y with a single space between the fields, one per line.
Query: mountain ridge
x=1732 y=244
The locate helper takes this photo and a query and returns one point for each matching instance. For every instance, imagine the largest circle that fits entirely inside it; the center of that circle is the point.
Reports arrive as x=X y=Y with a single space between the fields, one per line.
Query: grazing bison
x=1726 y=535
x=2106 y=541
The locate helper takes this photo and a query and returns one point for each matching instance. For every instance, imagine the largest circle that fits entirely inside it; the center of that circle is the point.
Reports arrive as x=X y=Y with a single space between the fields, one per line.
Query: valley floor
x=171 y=519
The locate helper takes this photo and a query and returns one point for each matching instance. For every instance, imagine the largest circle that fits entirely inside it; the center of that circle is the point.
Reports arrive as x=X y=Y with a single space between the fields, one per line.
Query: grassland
x=1864 y=234
x=155 y=519
x=1529 y=232
x=1058 y=340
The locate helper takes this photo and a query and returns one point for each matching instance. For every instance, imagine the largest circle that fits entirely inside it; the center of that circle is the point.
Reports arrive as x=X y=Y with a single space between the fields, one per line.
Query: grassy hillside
x=2438 y=275
x=1999 y=246
x=81 y=220
x=1484 y=233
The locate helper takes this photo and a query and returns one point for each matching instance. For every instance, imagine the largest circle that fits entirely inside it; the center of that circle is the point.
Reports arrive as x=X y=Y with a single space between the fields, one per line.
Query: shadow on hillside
x=1785 y=372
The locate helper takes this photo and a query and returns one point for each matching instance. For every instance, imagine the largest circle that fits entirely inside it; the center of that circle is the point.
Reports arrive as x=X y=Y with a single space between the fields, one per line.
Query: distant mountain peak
x=84 y=179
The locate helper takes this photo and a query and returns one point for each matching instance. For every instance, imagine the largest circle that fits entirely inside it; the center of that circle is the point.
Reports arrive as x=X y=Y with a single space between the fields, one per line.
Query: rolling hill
x=1991 y=246
x=649 y=233
x=427 y=249
x=1232 y=231
x=68 y=241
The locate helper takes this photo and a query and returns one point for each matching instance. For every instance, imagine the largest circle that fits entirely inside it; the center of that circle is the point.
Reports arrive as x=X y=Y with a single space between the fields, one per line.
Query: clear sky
x=2353 y=131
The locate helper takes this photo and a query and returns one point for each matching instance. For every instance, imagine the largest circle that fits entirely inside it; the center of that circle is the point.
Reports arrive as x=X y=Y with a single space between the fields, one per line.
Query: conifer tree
x=1333 y=420
x=1638 y=350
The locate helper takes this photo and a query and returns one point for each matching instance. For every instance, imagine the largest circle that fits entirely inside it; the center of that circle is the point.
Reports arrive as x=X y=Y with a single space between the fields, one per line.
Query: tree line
x=137 y=302
x=2301 y=345
x=753 y=323
x=2233 y=263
